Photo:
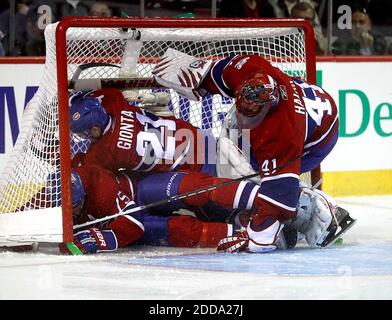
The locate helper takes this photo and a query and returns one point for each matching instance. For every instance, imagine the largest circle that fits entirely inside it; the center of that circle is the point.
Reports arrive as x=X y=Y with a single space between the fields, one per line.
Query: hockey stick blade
x=118 y=83
x=82 y=67
x=32 y=247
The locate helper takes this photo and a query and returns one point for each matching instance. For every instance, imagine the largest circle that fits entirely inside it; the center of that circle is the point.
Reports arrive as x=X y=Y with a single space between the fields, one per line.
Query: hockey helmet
x=258 y=91
x=86 y=113
x=55 y=190
x=76 y=95
x=78 y=192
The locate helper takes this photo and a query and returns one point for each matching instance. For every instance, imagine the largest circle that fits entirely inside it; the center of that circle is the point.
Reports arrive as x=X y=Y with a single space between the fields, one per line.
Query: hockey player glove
x=95 y=241
x=236 y=243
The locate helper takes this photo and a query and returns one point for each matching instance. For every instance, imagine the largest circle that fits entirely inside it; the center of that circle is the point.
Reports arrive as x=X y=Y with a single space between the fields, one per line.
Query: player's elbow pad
x=127 y=230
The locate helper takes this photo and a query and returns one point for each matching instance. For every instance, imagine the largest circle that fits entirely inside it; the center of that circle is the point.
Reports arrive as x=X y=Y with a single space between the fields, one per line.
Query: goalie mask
x=257 y=92
x=86 y=113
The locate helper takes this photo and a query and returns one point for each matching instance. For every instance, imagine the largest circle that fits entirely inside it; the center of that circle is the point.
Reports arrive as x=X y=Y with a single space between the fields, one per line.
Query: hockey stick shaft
x=182 y=196
x=129 y=83
x=167 y=200
x=118 y=83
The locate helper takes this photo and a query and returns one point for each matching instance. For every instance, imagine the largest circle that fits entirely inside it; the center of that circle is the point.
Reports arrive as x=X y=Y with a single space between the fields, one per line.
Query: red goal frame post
x=88 y=22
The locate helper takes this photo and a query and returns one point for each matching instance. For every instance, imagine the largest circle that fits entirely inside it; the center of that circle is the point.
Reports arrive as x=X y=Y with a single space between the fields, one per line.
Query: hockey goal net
x=35 y=198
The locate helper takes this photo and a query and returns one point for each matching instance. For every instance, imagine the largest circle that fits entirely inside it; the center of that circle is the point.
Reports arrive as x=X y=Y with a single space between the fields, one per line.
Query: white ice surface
x=360 y=268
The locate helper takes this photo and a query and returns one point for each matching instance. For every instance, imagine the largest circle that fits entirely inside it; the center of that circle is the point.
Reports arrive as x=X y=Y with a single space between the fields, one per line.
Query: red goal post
x=288 y=43
x=61 y=41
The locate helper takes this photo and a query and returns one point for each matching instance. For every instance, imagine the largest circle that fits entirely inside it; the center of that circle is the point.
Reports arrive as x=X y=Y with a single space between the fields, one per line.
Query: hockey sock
x=239 y=195
x=187 y=231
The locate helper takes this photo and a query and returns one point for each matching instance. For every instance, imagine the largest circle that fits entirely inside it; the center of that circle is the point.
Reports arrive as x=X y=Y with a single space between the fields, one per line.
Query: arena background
x=360 y=164
x=358 y=173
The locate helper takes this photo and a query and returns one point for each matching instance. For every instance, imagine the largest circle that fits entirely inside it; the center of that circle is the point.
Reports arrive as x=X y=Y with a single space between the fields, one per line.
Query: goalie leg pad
x=316 y=216
x=287 y=238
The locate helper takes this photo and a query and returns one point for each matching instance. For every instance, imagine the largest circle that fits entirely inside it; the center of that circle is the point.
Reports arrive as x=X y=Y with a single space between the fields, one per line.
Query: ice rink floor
x=360 y=268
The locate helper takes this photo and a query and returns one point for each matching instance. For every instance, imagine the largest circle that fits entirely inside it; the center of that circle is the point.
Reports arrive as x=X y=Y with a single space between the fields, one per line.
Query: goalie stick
x=133 y=34
x=119 y=83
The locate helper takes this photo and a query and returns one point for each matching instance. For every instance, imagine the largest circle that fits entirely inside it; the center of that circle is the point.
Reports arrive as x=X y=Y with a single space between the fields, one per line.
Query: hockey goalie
x=292 y=126
x=313 y=228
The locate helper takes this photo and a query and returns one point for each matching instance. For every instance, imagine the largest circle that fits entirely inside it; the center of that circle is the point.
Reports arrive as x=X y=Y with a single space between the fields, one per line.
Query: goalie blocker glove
x=236 y=243
x=259 y=238
x=94 y=241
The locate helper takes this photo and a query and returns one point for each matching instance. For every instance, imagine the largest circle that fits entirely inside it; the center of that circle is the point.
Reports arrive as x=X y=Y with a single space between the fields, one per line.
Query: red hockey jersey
x=107 y=194
x=140 y=141
x=305 y=119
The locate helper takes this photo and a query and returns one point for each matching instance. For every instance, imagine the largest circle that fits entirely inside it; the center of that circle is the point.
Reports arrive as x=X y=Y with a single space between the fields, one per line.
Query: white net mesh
x=31 y=180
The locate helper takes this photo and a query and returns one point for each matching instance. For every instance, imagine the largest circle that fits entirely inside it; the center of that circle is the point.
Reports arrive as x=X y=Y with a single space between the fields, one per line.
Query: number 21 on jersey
x=157 y=135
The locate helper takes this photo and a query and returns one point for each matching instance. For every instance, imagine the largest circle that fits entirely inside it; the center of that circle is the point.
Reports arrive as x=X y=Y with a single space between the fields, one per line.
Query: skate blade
x=341 y=232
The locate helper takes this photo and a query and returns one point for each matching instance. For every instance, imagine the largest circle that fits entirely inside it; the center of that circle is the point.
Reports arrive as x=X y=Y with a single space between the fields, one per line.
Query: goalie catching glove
x=93 y=241
x=182 y=73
